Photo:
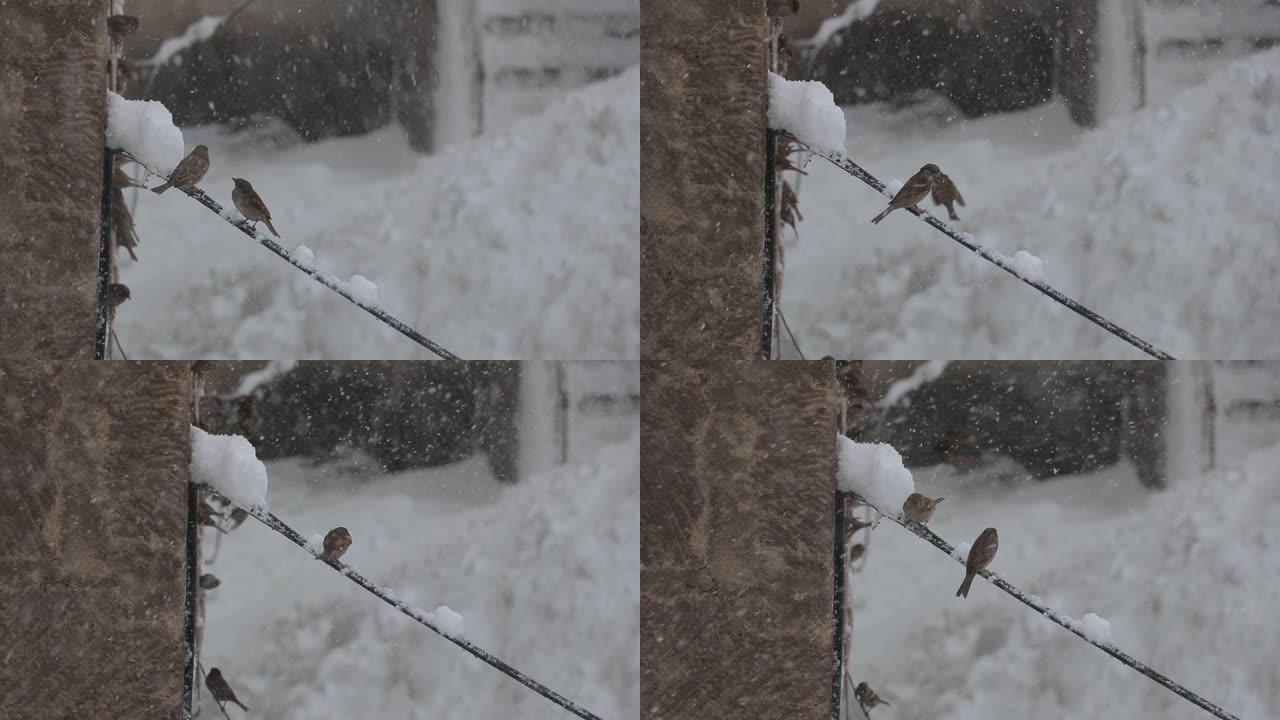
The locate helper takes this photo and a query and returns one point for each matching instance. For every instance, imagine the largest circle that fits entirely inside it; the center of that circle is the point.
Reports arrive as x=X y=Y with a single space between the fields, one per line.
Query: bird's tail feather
x=876 y=220
x=240 y=704
x=271 y=227
x=161 y=188
x=964 y=586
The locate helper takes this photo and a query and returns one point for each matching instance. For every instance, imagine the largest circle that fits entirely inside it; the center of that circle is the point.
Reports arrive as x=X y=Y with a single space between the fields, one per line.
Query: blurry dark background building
x=444 y=69
x=991 y=56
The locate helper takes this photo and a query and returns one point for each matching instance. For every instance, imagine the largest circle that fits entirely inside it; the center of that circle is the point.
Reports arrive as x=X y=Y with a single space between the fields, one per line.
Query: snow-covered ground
x=1189 y=579
x=545 y=574
x=1156 y=220
x=523 y=244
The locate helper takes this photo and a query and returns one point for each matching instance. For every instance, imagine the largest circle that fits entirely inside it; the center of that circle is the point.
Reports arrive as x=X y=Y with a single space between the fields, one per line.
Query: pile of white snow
x=874 y=471
x=145 y=129
x=1158 y=221
x=523 y=244
x=808 y=109
x=230 y=465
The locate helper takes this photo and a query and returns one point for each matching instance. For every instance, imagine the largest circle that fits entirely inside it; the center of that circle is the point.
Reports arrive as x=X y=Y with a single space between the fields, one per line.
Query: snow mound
x=808 y=109
x=1157 y=220
x=145 y=129
x=523 y=244
x=230 y=465
x=875 y=471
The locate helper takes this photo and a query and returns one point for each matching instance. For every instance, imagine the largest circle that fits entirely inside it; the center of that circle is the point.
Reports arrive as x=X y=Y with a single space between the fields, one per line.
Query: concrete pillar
x=737 y=466
x=702 y=125
x=53 y=61
x=93 y=518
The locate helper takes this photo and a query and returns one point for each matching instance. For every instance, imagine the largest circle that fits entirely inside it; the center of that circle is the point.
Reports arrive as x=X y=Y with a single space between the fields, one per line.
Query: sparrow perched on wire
x=919 y=508
x=866 y=697
x=220 y=690
x=916 y=189
x=189 y=171
x=209 y=581
x=946 y=193
x=981 y=554
x=336 y=543
x=250 y=204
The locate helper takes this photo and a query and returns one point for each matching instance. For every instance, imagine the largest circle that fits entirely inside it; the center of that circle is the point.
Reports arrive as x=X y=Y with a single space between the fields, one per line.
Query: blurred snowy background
x=477 y=159
x=1153 y=219
x=543 y=564
x=1188 y=576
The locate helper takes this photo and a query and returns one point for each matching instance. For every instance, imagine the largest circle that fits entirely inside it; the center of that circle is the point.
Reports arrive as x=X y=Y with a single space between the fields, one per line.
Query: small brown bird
x=220 y=690
x=117 y=293
x=121 y=26
x=209 y=581
x=920 y=508
x=916 y=189
x=866 y=697
x=981 y=554
x=250 y=204
x=946 y=193
x=336 y=543
x=189 y=171
x=122 y=224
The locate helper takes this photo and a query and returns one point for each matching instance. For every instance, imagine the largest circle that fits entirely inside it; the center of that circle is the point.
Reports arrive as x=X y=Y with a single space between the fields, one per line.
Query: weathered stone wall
x=53 y=59
x=737 y=463
x=703 y=86
x=93 y=509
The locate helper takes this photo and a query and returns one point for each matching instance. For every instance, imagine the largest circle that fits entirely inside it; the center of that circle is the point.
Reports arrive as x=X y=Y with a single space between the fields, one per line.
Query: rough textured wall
x=53 y=59
x=702 y=126
x=737 y=464
x=93 y=489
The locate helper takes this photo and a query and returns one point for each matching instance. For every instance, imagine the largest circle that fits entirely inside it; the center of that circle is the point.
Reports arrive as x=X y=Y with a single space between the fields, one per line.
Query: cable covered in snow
x=1093 y=629
x=305 y=261
x=443 y=621
x=849 y=166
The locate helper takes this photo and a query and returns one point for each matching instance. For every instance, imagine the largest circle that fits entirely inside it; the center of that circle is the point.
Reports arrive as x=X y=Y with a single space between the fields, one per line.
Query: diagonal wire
x=786 y=326
x=328 y=280
x=1067 y=622
x=278 y=525
x=852 y=168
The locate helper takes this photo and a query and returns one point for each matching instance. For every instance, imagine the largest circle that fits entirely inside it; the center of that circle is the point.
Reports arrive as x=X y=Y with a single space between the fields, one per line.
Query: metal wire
x=852 y=168
x=329 y=281
x=279 y=526
x=1057 y=617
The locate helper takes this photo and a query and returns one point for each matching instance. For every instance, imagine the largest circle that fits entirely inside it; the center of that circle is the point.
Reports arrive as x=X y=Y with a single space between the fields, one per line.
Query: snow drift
x=1159 y=220
x=523 y=244
x=546 y=574
x=1186 y=578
